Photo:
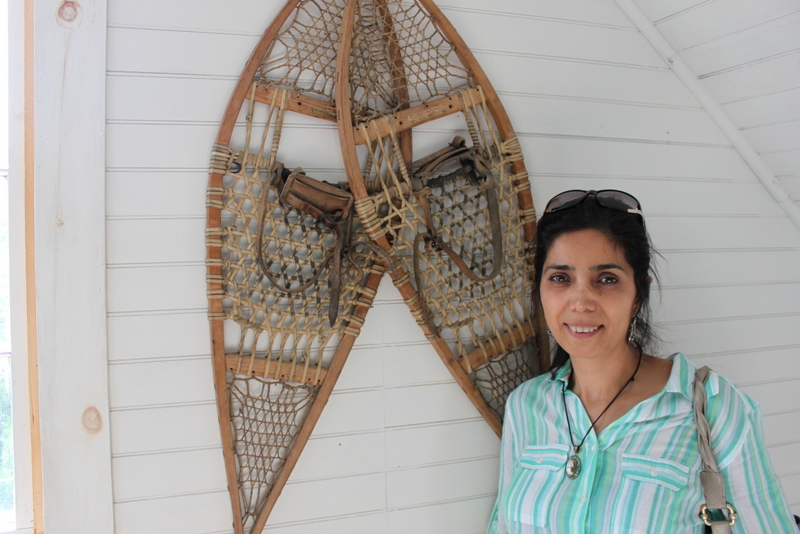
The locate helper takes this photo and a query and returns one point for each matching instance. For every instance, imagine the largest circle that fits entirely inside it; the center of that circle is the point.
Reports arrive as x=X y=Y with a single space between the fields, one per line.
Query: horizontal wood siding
x=399 y=447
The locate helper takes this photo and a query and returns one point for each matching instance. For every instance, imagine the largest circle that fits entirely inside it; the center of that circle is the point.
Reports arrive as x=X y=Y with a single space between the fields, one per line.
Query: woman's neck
x=598 y=380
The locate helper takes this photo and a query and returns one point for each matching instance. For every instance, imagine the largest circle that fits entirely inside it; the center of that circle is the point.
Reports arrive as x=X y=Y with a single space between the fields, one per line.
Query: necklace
x=573 y=466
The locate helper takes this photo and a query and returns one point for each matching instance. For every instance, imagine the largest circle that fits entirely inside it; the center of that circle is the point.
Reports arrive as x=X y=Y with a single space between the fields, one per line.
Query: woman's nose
x=582 y=299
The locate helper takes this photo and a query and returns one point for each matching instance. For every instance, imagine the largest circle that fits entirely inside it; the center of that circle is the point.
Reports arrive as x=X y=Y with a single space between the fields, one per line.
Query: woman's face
x=588 y=295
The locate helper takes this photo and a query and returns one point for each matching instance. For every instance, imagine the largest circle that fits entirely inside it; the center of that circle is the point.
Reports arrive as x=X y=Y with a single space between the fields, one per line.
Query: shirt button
x=540 y=459
x=583 y=500
x=654 y=472
x=594 y=448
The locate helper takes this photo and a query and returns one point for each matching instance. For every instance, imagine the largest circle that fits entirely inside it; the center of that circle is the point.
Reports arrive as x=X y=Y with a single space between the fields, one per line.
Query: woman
x=607 y=442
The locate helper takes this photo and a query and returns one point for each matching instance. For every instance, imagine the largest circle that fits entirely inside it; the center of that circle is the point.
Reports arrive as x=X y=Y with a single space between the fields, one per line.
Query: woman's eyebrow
x=607 y=266
x=558 y=268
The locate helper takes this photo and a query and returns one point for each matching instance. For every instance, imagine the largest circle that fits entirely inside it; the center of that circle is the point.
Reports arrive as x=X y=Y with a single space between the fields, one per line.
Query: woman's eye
x=608 y=279
x=558 y=278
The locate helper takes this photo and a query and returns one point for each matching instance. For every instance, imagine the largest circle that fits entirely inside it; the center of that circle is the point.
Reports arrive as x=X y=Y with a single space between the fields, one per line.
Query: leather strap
x=473 y=169
x=323 y=201
x=711 y=479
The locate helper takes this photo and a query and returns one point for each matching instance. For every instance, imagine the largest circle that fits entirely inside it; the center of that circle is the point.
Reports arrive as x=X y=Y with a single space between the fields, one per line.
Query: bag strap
x=711 y=479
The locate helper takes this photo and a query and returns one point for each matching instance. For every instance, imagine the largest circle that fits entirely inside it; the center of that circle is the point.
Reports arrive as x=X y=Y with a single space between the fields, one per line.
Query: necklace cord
x=566 y=411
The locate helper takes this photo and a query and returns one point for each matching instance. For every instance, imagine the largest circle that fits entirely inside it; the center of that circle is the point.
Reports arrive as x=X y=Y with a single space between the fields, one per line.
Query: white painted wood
x=773 y=38
x=553 y=116
x=580 y=79
x=775 y=137
x=18 y=289
x=330 y=498
x=689 y=77
x=136 y=431
x=658 y=10
x=399 y=448
x=161 y=99
x=580 y=11
x=433 y=403
x=721 y=336
x=156 y=288
x=454 y=517
x=341 y=524
x=784 y=459
x=69 y=166
x=668 y=197
x=155 y=240
x=792 y=185
x=755 y=368
x=413 y=487
x=166 y=474
x=778 y=428
x=727 y=268
x=722 y=232
x=791 y=484
x=784 y=163
x=341 y=455
x=774 y=398
x=450 y=442
x=555 y=39
x=153 y=336
x=767 y=77
x=765 y=109
x=199 y=513
x=338 y=417
x=149 y=56
x=713 y=20
x=185 y=15
x=604 y=158
x=160 y=383
x=684 y=304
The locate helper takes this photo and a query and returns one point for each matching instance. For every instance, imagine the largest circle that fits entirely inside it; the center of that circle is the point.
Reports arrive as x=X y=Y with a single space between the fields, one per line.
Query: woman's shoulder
x=544 y=385
x=725 y=398
x=732 y=415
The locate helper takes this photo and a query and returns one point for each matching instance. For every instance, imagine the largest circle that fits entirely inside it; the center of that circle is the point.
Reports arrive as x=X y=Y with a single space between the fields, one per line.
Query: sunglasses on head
x=610 y=198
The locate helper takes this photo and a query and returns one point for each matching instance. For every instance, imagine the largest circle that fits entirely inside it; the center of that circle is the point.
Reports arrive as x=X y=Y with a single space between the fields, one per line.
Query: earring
x=632 y=331
x=549 y=333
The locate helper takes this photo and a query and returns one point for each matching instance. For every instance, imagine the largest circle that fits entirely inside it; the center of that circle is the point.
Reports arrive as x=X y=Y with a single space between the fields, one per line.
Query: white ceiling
x=745 y=54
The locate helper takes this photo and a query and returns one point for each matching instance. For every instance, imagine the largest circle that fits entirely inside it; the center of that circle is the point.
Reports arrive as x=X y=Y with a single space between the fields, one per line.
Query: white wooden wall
x=399 y=448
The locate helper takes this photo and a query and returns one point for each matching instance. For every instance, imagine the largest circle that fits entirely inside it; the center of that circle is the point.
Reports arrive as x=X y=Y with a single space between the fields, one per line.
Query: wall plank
x=713 y=20
x=198 y=513
x=756 y=42
x=64 y=125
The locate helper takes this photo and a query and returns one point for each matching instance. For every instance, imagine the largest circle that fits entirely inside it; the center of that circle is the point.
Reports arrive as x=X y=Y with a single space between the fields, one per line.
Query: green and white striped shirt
x=642 y=473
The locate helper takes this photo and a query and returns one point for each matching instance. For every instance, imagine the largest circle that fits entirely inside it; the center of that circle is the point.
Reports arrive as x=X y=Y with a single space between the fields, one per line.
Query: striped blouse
x=641 y=474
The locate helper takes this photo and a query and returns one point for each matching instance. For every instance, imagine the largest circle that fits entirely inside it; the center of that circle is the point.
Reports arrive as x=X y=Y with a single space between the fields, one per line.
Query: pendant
x=573 y=467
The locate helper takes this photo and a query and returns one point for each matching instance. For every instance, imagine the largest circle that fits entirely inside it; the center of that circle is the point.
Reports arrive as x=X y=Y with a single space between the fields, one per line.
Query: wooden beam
x=479 y=357
x=305 y=105
x=292 y=372
x=404 y=120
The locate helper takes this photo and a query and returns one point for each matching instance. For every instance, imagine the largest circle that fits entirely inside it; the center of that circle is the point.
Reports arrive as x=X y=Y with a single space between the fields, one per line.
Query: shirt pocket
x=535 y=481
x=662 y=472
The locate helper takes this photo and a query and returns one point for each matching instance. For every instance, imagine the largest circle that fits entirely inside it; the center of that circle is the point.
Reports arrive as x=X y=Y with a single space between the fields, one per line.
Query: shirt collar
x=681 y=378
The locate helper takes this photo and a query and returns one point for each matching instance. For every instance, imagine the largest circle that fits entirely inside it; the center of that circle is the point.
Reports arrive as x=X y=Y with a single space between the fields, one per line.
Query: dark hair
x=626 y=231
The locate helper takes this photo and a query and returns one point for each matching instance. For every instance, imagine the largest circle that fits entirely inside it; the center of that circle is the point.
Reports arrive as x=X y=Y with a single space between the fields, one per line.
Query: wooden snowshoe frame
x=376 y=69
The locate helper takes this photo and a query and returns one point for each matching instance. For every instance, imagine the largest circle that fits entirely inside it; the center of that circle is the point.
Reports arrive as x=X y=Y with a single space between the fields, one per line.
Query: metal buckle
x=732 y=515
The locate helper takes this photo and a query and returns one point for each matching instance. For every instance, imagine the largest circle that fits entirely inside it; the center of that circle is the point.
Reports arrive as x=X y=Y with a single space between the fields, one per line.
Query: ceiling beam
x=739 y=141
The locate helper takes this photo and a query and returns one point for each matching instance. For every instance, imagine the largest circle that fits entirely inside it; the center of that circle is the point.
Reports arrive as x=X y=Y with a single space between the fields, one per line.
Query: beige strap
x=710 y=477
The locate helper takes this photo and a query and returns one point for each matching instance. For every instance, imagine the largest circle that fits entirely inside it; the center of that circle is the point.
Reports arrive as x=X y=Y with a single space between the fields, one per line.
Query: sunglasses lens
x=618 y=200
x=565 y=200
